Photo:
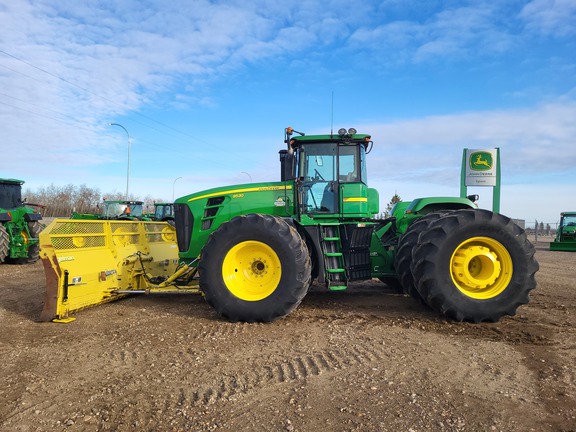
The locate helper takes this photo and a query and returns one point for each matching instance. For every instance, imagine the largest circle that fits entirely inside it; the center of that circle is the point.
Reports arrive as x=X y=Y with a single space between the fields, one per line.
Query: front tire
x=35 y=229
x=255 y=268
x=474 y=265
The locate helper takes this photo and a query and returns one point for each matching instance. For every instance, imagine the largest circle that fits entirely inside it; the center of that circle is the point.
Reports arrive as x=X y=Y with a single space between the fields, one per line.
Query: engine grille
x=184 y=224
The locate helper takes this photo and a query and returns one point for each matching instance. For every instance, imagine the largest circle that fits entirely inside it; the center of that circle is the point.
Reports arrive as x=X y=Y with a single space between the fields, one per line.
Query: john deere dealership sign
x=481 y=167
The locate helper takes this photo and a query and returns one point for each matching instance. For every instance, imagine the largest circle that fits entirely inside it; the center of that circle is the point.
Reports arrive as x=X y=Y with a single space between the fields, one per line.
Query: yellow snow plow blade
x=89 y=262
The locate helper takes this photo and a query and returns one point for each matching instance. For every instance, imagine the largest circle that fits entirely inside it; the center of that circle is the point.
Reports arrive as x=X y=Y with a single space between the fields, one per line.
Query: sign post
x=481 y=168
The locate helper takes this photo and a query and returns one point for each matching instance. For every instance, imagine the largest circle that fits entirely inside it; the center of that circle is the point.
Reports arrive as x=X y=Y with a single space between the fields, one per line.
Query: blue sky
x=205 y=90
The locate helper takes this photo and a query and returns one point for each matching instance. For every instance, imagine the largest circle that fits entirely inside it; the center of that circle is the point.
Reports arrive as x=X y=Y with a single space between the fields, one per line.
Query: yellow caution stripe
x=356 y=199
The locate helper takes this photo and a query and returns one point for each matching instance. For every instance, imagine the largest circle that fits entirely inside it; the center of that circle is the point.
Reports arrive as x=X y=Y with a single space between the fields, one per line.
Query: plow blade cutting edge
x=89 y=262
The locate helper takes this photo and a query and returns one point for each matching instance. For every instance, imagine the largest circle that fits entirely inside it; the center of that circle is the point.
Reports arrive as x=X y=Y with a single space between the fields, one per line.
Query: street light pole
x=128 y=169
x=174 y=186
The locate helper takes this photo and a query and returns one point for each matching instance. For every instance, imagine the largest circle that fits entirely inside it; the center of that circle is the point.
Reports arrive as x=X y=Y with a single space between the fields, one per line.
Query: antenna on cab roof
x=332 y=116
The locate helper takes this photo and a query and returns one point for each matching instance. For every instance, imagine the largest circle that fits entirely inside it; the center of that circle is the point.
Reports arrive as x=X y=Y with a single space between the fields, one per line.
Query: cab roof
x=331 y=138
x=363 y=139
x=12 y=181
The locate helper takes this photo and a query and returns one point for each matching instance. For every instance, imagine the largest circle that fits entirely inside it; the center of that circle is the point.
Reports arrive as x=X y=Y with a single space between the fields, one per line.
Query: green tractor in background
x=19 y=225
x=261 y=245
x=163 y=212
x=115 y=210
x=565 y=233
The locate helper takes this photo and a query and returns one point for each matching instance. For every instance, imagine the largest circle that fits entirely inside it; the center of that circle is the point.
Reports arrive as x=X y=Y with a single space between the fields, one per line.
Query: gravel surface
x=365 y=359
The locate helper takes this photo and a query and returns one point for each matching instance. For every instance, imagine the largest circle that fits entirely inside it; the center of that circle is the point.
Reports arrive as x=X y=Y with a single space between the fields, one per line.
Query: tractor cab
x=10 y=193
x=567 y=226
x=163 y=211
x=329 y=172
x=121 y=210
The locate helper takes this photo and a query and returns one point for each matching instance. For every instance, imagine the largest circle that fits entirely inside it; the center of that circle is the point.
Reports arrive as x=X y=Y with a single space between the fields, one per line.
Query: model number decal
x=238 y=195
x=65 y=258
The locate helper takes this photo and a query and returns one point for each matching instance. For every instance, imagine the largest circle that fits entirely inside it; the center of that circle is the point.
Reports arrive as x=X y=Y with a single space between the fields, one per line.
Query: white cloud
x=451 y=33
x=553 y=17
x=534 y=143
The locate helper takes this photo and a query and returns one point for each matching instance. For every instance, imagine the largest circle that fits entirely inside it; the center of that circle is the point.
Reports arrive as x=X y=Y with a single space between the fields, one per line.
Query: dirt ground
x=361 y=360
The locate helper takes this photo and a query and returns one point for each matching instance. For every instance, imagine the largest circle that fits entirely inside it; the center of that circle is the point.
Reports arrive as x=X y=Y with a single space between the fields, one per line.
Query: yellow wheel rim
x=481 y=267
x=25 y=237
x=168 y=234
x=251 y=270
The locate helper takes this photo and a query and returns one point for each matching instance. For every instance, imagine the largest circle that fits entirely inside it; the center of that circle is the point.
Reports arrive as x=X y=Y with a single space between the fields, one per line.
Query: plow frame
x=91 y=262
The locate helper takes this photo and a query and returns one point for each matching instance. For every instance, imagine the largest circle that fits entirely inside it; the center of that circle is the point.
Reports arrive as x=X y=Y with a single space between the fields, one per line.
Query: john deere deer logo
x=481 y=161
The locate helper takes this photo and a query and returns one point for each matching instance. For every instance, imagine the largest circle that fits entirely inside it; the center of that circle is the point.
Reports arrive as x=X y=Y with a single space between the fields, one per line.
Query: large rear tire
x=406 y=244
x=4 y=243
x=255 y=268
x=35 y=229
x=474 y=265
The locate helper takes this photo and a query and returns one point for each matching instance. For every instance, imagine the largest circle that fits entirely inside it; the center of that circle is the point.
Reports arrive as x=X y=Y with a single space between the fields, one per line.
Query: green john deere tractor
x=19 y=225
x=565 y=233
x=115 y=210
x=261 y=245
x=163 y=211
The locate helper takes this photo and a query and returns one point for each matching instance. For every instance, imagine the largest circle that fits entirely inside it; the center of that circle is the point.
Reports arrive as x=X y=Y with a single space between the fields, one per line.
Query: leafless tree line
x=61 y=201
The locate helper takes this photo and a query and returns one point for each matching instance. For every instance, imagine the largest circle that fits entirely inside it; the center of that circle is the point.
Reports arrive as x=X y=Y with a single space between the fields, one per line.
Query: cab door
x=353 y=190
x=318 y=173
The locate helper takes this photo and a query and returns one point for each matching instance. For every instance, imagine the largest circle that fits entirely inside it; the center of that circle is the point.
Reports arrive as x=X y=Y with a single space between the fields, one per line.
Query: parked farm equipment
x=163 y=211
x=19 y=224
x=565 y=233
x=253 y=250
x=115 y=210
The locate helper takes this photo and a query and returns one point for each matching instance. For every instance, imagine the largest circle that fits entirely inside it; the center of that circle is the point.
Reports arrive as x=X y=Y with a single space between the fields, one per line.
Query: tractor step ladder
x=333 y=257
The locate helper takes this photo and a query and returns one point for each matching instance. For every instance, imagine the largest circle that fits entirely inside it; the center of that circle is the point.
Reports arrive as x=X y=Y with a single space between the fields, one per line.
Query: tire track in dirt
x=19 y=411
x=299 y=368
x=512 y=330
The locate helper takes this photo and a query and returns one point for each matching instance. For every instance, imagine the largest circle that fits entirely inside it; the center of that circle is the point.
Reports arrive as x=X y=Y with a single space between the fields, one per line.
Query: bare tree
x=61 y=201
x=395 y=199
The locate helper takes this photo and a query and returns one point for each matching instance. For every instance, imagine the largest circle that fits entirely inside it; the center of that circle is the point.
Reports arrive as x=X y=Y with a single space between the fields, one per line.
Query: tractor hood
x=198 y=214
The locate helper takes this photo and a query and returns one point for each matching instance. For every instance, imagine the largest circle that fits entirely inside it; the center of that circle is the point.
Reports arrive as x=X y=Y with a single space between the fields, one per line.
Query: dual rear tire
x=471 y=265
x=403 y=261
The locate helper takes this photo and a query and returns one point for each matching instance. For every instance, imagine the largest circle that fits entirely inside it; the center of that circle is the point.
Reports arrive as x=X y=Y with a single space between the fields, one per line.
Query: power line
x=139 y=139
x=36 y=105
x=141 y=142
x=96 y=95
x=47 y=116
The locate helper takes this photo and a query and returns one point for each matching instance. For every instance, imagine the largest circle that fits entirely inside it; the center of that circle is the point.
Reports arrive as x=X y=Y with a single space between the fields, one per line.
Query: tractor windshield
x=10 y=195
x=113 y=210
x=322 y=166
x=569 y=222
